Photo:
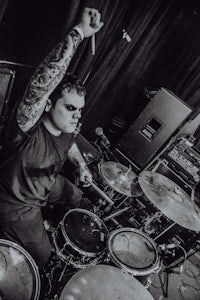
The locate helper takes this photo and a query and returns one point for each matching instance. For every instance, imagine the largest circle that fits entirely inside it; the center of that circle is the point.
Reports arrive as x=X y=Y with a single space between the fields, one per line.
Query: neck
x=50 y=126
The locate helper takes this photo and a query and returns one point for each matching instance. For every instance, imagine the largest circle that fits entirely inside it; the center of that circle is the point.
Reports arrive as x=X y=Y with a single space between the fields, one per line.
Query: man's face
x=64 y=116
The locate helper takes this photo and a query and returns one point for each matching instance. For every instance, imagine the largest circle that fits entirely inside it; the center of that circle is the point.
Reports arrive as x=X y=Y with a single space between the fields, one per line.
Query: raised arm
x=52 y=70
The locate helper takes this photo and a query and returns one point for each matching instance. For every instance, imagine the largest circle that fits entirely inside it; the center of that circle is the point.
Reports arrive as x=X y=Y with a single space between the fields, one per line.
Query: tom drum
x=80 y=238
x=134 y=252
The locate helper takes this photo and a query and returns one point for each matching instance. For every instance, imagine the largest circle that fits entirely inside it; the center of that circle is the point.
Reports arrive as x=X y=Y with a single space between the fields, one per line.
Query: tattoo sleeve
x=45 y=79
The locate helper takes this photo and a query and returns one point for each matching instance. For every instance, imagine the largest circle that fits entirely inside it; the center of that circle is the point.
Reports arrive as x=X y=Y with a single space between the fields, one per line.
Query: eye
x=70 y=107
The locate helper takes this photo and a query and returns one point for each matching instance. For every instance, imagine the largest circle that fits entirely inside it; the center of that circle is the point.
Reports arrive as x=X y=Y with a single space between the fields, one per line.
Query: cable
x=193 y=276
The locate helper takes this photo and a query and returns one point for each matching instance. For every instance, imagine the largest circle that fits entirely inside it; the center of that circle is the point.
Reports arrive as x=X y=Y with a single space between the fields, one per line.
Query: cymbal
x=120 y=178
x=19 y=276
x=170 y=199
x=104 y=282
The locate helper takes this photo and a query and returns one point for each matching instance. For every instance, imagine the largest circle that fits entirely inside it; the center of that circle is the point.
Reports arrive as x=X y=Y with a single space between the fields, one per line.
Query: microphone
x=103 y=139
x=167 y=246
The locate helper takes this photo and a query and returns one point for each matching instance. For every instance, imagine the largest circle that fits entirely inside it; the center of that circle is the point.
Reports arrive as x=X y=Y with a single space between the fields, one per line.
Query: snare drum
x=134 y=252
x=80 y=238
x=19 y=276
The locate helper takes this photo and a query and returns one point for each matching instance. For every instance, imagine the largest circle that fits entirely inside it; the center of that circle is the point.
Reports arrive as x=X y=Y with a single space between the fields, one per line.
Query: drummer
x=39 y=138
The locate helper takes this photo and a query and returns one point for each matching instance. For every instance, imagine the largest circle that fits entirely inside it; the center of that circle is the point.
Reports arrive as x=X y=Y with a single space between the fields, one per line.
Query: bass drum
x=19 y=276
x=80 y=238
x=134 y=252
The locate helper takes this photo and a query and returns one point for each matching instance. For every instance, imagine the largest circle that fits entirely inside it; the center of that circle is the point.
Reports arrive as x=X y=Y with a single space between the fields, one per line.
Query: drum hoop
x=133 y=271
x=89 y=254
x=34 y=268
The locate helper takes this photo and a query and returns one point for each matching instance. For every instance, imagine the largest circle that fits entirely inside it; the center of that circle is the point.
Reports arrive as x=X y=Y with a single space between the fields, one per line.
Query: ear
x=48 y=105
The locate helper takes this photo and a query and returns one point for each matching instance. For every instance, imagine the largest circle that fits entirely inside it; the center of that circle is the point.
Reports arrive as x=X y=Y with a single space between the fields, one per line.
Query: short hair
x=70 y=84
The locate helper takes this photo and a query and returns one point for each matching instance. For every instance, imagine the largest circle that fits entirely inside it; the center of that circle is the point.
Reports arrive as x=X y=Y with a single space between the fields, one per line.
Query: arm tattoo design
x=45 y=79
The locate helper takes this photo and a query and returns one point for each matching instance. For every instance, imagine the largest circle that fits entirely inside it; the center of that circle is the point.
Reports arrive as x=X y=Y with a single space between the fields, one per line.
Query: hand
x=85 y=176
x=90 y=21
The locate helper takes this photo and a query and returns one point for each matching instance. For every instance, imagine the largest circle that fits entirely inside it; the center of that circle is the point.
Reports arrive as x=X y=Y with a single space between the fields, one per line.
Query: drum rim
x=89 y=254
x=137 y=272
x=32 y=264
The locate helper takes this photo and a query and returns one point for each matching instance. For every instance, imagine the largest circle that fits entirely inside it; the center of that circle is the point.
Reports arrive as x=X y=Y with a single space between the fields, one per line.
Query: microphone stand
x=106 y=150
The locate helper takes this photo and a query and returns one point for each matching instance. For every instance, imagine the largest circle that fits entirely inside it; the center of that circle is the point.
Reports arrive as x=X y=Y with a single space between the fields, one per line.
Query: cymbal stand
x=170 y=270
x=165 y=282
x=108 y=154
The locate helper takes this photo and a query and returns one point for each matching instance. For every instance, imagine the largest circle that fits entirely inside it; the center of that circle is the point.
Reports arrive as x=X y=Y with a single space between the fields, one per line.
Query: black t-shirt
x=32 y=164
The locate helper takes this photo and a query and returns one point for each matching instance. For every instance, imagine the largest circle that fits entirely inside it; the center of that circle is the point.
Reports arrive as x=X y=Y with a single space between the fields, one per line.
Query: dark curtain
x=163 y=51
x=3 y=5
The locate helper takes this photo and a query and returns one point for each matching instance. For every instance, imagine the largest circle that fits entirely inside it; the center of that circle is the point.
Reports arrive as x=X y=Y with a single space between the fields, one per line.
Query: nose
x=77 y=114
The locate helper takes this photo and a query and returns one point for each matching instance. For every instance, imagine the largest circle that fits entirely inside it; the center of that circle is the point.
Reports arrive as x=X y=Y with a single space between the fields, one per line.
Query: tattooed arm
x=75 y=157
x=52 y=70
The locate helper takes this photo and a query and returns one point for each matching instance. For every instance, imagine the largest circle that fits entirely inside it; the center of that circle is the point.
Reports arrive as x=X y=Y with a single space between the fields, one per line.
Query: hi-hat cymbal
x=120 y=178
x=104 y=282
x=170 y=199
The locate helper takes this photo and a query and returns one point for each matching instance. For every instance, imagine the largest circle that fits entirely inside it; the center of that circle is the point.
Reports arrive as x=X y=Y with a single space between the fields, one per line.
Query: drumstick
x=101 y=193
x=117 y=213
x=93 y=44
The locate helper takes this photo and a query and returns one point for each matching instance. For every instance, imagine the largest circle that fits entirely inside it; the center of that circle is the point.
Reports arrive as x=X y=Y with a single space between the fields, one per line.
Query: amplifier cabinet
x=154 y=126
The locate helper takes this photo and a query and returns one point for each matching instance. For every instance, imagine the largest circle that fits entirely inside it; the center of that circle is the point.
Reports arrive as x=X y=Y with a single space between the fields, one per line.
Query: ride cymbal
x=170 y=199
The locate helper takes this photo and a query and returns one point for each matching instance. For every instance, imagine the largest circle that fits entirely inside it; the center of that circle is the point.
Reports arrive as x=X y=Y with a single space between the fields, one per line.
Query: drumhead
x=132 y=250
x=19 y=276
x=85 y=231
x=104 y=282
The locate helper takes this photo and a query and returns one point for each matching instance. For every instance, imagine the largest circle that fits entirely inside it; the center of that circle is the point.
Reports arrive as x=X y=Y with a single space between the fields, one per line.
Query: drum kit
x=109 y=265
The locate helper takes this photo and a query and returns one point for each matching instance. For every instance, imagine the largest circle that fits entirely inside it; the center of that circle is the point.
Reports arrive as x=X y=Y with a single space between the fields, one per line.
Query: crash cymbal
x=103 y=282
x=19 y=275
x=120 y=178
x=170 y=199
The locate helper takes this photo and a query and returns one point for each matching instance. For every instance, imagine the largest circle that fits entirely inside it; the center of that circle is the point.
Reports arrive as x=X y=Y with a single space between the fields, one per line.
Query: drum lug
x=108 y=258
x=148 y=284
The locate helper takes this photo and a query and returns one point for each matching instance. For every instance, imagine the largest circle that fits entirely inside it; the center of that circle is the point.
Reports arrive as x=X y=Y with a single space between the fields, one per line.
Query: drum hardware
x=104 y=282
x=170 y=199
x=167 y=249
x=148 y=220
